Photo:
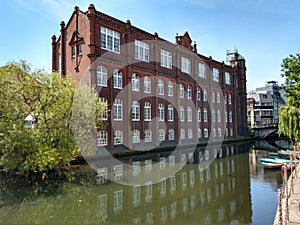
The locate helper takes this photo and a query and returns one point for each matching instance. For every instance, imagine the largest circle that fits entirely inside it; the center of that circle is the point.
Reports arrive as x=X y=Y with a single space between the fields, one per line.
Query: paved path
x=293 y=202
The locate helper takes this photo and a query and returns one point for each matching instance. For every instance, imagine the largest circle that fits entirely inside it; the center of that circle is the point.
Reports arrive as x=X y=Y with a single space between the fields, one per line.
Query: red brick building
x=157 y=92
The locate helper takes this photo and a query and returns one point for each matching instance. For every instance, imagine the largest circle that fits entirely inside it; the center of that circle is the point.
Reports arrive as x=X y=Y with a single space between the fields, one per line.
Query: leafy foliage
x=289 y=116
x=48 y=142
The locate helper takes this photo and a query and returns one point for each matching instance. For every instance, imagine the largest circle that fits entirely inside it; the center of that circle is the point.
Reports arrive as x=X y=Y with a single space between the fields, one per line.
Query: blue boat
x=275 y=160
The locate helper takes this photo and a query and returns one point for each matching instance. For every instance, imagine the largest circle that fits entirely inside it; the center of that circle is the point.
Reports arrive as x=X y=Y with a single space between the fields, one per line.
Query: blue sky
x=263 y=31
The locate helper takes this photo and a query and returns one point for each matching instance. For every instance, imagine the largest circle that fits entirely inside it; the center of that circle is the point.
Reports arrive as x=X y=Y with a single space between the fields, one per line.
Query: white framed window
x=216 y=75
x=170 y=88
x=229 y=99
x=226 y=132
x=231 y=131
x=136 y=136
x=161 y=135
x=226 y=116
x=171 y=135
x=185 y=65
x=189 y=92
x=181 y=91
x=118 y=137
x=182 y=134
x=214 y=132
x=160 y=87
x=148 y=192
x=205 y=115
x=170 y=113
x=219 y=132
x=213 y=115
x=204 y=94
x=198 y=94
x=189 y=114
x=206 y=134
x=199 y=114
x=141 y=50
x=219 y=116
x=147 y=85
x=135 y=111
x=104 y=114
x=117 y=79
x=118 y=109
x=201 y=70
x=190 y=133
x=135 y=83
x=161 y=112
x=148 y=165
x=199 y=133
x=173 y=186
x=110 y=40
x=230 y=117
x=147 y=111
x=148 y=135
x=163 y=189
x=225 y=99
x=213 y=99
x=227 y=78
x=101 y=138
x=136 y=168
x=166 y=58
x=181 y=113
x=101 y=76
x=218 y=97
x=102 y=205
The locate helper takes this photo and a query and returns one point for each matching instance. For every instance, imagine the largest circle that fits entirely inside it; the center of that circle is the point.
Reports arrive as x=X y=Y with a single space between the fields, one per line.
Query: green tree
x=47 y=143
x=289 y=115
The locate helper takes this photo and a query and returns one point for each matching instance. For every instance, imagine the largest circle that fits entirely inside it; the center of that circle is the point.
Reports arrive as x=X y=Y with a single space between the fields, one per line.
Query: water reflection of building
x=214 y=195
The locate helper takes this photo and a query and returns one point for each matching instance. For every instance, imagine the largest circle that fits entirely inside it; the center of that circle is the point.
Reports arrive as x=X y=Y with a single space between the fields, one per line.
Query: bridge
x=263 y=132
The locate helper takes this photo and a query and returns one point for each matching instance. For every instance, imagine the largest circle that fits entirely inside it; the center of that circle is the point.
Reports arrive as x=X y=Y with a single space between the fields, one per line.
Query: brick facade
x=79 y=52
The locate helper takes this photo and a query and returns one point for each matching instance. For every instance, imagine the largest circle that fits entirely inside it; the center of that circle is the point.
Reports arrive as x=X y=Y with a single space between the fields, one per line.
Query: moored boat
x=272 y=165
x=275 y=160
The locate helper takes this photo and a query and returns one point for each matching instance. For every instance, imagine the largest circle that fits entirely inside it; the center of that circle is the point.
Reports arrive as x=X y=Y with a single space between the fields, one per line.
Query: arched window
x=205 y=115
x=189 y=92
x=117 y=79
x=189 y=114
x=147 y=85
x=101 y=76
x=181 y=91
x=147 y=111
x=170 y=88
x=161 y=112
x=219 y=115
x=170 y=113
x=135 y=83
x=118 y=109
x=101 y=138
x=135 y=111
x=171 y=135
x=204 y=94
x=182 y=134
x=218 y=97
x=161 y=135
x=135 y=136
x=199 y=114
x=198 y=94
x=160 y=87
x=206 y=134
x=118 y=137
x=213 y=115
x=213 y=96
x=104 y=114
x=148 y=135
x=181 y=113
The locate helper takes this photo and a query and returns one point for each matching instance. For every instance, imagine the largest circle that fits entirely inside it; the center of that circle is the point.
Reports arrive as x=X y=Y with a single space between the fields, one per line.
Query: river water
x=230 y=187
